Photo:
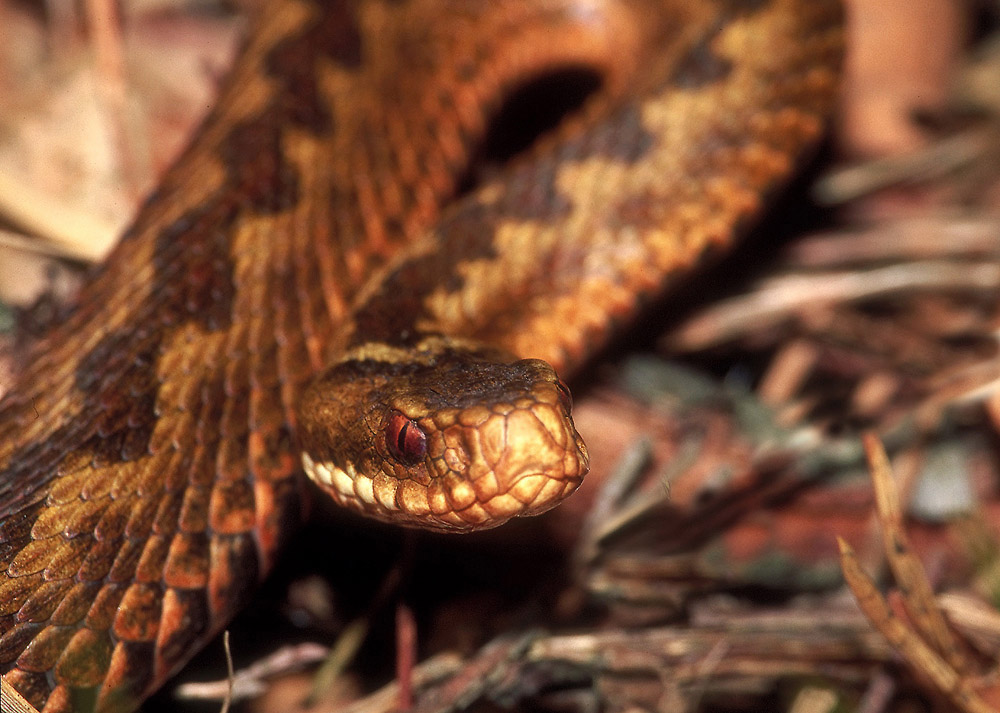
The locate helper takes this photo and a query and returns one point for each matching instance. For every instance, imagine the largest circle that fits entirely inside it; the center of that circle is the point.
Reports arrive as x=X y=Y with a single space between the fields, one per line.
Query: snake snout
x=522 y=459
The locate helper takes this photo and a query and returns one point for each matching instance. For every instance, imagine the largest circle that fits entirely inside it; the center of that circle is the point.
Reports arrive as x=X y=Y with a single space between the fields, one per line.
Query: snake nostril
x=406 y=441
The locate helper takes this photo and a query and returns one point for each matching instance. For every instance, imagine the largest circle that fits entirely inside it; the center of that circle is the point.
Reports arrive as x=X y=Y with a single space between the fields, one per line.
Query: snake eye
x=407 y=443
x=565 y=397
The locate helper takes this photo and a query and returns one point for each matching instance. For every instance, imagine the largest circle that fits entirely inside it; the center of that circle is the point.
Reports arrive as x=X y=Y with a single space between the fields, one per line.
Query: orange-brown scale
x=147 y=468
x=601 y=215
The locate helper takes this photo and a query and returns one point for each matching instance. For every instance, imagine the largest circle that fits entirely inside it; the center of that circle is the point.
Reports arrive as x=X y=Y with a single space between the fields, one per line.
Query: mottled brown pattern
x=600 y=217
x=147 y=469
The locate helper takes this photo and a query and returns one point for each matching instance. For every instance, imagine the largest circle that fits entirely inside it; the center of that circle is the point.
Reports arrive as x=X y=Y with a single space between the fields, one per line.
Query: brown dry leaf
x=81 y=145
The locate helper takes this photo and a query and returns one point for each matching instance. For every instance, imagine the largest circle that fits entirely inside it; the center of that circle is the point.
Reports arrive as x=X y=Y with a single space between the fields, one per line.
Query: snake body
x=149 y=464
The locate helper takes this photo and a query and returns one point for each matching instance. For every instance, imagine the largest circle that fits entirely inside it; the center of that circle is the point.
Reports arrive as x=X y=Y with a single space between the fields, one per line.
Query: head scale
x=450 y=436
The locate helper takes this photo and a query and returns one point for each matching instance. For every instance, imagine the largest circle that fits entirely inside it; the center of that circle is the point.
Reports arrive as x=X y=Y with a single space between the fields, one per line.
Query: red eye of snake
x=407 y=443
x=565 y=397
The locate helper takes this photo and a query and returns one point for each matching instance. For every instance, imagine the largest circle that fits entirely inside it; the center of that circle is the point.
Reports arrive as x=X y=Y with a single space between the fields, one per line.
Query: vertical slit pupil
x=406 y=441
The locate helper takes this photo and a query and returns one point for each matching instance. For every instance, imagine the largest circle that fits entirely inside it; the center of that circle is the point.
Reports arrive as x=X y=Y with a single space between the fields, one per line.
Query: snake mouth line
x=449 y=503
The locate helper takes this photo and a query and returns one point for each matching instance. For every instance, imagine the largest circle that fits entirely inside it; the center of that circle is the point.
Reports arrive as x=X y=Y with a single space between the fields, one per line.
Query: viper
x=318 y=286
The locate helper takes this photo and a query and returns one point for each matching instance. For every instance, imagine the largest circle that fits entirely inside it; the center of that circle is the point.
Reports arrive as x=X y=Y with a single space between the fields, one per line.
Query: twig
x=926 y=645
x=906 y=568
x=776 y=298
x=249 y=682
x=937 y=160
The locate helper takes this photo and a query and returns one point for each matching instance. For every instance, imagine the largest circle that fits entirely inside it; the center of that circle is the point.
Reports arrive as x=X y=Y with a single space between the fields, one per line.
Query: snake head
x=447 y=436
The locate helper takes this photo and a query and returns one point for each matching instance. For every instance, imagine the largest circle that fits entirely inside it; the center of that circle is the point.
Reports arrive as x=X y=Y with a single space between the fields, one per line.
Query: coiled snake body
x=149 y=450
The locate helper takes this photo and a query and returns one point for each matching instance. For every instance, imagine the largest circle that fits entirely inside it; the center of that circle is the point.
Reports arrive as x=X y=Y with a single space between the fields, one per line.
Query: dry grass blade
x=230 y=674
x=909 y=644
x=340 y=656
x=926 y=644
x=907 y=569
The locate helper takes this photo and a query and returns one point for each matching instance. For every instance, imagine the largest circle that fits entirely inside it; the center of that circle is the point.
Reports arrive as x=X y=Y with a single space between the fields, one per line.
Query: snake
x=317 y=286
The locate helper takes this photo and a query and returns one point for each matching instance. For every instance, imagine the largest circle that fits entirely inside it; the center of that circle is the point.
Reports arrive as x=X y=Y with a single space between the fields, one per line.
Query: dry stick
x=251 y=681
x=937 y=160
x=933 y=235
x=406 y=654
x=776 y=298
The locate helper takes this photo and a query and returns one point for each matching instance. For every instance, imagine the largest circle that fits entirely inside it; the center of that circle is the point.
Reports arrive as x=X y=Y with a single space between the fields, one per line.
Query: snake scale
x=149 y=450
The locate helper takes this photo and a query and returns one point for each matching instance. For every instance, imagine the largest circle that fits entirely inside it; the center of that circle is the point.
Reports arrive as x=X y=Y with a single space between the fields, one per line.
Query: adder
x=303 y=292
